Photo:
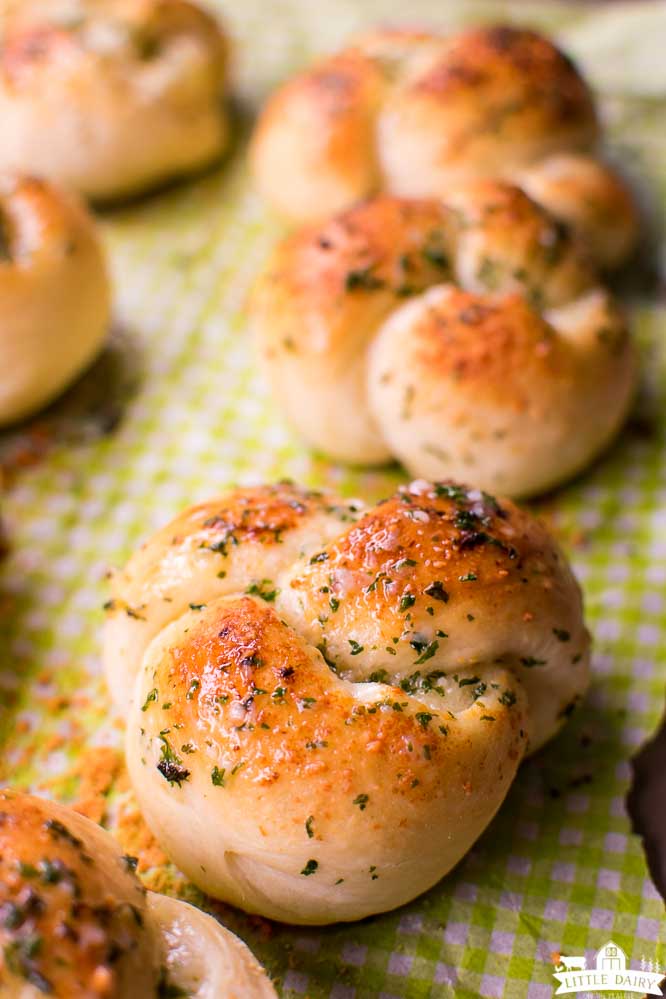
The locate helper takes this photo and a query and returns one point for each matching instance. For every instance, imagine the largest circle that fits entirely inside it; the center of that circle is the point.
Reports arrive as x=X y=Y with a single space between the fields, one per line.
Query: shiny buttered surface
x=111 y=97
x=330 y=703
x=54 y=293
x=467 y=337
x=75 y=922
x=411 y=113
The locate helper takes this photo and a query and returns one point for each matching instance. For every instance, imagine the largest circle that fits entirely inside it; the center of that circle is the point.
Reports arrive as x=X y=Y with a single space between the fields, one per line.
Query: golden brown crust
x=411 y=113
x=517 y=79
x=506 y=241
x=246 y=677
x=365 y=260
x=240 y=541
x=335 y=104
x=54 y=293
x=406 y=560
x=287 y=766
x=97 y=79
x=485 y=387
x=440 y=575
x=293 y=747
x=74 y=922
x=481 y=342
x=453 y=312
x=590 y=198
x=36 y=35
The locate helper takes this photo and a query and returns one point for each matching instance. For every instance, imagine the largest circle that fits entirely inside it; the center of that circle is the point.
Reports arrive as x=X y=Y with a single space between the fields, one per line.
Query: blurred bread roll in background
x=54 y=293
x=589 y=198
x=467 y=337
x=412 y=113
x=111 y=97
x=319 y=686
x=78 y=924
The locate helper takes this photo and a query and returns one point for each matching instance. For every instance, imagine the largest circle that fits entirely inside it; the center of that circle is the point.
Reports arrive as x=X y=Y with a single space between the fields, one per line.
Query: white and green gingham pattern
x=558 y=870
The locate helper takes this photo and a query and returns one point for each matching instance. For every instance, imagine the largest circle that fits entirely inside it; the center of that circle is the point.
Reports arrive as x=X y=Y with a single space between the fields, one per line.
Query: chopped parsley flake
x=427 y=653
x=364 y=279
x=151 y=696
x=437 y=592
x=379 y=676
x=423 y=718
x=265 y=590
x=448 y=490
x=435 y=256
x=407 y=601
x=402 y=562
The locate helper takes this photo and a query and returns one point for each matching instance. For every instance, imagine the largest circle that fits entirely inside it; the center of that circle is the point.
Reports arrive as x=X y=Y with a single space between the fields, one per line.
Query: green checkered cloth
x=558 y=870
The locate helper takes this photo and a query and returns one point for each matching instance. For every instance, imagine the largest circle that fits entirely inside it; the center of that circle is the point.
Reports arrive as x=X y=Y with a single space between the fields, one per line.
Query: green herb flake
x=435 y=256
x=423 y=718
x=192 y=689
x=407 y=601
x=437 y=592
x=362 y=279
x=265 y=590
x=427 y=653
x=151 y=696
x=379 y=676
x=402 y=562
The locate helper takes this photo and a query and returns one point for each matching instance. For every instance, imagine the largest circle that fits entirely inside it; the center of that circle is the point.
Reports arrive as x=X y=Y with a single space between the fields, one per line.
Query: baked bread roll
x=77 y=924
x=111 y=97
x=412 y=113
x=319 y=687
x=54 y=294
x=591 y=200
x=468 y=338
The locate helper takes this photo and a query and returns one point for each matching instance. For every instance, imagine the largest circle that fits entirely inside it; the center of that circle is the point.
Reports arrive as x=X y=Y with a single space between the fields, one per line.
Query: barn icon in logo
x=610 y=974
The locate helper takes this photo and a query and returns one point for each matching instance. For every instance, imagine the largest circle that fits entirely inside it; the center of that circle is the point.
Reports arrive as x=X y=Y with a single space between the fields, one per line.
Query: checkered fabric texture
x=175 y=411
